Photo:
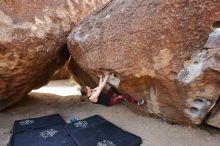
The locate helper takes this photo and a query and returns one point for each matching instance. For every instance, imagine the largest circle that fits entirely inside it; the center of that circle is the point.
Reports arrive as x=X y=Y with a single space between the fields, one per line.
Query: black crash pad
x=96 y=131
x=51 y=136
x=42 y=131
x=35 y=123
x=53 y=131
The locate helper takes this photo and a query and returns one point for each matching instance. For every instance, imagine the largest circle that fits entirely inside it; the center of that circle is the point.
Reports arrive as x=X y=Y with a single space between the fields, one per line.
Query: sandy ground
x=154 y=132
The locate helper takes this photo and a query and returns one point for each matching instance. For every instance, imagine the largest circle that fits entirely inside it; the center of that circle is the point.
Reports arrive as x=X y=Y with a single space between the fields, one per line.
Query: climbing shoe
x=140 y=102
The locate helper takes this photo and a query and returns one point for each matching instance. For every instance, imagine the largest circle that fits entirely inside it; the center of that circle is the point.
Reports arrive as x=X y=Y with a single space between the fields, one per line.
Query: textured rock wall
x=214 y=119
x=156 y=49
x=32 y=42
x=62 y=73
x=213 y=43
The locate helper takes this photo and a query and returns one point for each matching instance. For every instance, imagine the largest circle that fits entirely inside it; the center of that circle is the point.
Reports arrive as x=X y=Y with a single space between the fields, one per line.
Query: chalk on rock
x=113 y=80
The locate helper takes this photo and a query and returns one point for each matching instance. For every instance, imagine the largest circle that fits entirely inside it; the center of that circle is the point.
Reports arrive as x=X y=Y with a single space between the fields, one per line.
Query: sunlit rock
x=156 y=49
x=32 y=42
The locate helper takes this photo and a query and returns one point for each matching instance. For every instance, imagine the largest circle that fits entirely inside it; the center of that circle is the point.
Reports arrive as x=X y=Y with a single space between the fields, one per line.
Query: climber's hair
x=84 y=90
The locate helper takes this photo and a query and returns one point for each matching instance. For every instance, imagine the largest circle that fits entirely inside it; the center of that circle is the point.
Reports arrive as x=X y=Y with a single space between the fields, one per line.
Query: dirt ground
x=154 y=132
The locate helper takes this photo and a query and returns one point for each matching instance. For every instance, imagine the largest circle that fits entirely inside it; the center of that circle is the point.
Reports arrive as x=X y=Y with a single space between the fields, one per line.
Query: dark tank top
x=103 y=99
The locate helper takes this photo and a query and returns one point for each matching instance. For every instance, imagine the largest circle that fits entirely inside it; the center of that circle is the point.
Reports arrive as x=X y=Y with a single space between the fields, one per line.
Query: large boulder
x=156 y=49
x=32 y=42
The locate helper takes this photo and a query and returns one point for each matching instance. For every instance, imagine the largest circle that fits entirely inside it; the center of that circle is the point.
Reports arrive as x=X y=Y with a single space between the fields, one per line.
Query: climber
x=111 y=97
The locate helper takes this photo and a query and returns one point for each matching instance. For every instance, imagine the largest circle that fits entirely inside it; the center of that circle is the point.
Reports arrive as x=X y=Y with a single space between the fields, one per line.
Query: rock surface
x=156 y=49
x=32 y=42
x=62 y=73
x=214 y=43
x=214 y=119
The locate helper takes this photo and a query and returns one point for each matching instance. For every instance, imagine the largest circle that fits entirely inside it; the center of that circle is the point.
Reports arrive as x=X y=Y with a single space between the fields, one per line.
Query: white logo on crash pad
x=26 y=122
x=106 y=143
x=82 y=124
x=48 y=133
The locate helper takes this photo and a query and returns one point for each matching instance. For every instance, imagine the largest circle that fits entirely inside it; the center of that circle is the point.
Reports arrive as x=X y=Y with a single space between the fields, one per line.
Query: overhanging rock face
x=32 y=42
x=156 y=49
